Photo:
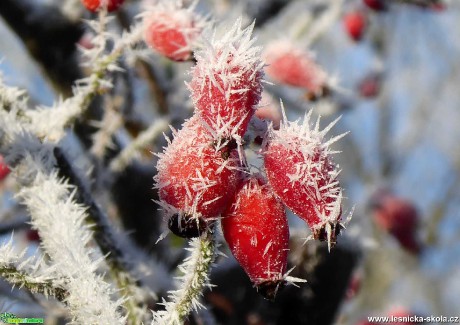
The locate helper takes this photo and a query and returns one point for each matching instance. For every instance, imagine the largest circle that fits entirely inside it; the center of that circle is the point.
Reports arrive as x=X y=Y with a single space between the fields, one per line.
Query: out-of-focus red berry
x=355 y=23
x=293 y=66
x=95 y=5
x=370 y=86
x=4 y=170
x=399 y=217
x=172 y=31
x=377 y=5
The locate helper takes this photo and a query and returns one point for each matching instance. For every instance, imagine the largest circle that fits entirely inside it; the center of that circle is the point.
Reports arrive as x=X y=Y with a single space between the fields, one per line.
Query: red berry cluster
x=202 y=174
x=172 y=30
x=95 y=5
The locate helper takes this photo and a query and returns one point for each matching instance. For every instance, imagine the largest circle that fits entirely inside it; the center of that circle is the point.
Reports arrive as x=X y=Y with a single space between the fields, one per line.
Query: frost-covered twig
x=144 y=139
x=59 y=220
x=51 y=122
x=28 y=273
x=194 y=279
x=110 y=123
x=106 y=241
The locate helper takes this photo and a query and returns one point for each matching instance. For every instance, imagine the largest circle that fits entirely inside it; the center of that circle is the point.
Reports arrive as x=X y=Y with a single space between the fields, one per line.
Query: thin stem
x=195 y=279
x=19 y=278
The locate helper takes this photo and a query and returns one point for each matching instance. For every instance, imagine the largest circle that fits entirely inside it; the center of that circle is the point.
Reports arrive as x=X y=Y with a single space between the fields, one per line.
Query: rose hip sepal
x=256 y=230
x=95 y=5
x=197 y=175
x=172 y=30
x=301 y=172
x=226 y=82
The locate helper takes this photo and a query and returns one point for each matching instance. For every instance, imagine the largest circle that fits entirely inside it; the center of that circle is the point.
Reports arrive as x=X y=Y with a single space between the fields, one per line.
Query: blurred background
x=393 y=69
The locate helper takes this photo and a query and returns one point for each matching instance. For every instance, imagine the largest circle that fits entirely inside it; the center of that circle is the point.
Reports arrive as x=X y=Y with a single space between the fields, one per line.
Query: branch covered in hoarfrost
x=127 y=155
x=195 y=278
x=50 y=122
x=29 y=273
x=107 y=242
x=60 y=221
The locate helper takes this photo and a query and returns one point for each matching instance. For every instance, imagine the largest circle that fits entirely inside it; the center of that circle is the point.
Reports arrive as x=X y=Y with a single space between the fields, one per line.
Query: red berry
x=355 y=23
x=399 y=217
x=377 y=5
x=95 y=5
x=370 y=86
x=226 y=82
x=172 y=31
x=4 y=170
x=438 y=7
x=295 y=67
x=197 y=175
x=256 y=230
x=301 y=172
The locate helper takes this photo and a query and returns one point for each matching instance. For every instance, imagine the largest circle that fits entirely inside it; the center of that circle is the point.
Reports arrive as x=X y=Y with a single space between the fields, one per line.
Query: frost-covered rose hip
x=226 y=81
x=291 y=65
x=95 y=5
x=300 y=170
x=355 y=24
x=172 y=31
x=197 y=175
x=256 y=230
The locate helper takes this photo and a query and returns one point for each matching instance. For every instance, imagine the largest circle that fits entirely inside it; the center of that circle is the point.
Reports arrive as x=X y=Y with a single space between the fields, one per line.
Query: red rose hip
x=196 y=177
x=355 y=24
x=291 y=65
x=226 y=82
x=256 y=230
x=172 y=31
x=301 y=172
